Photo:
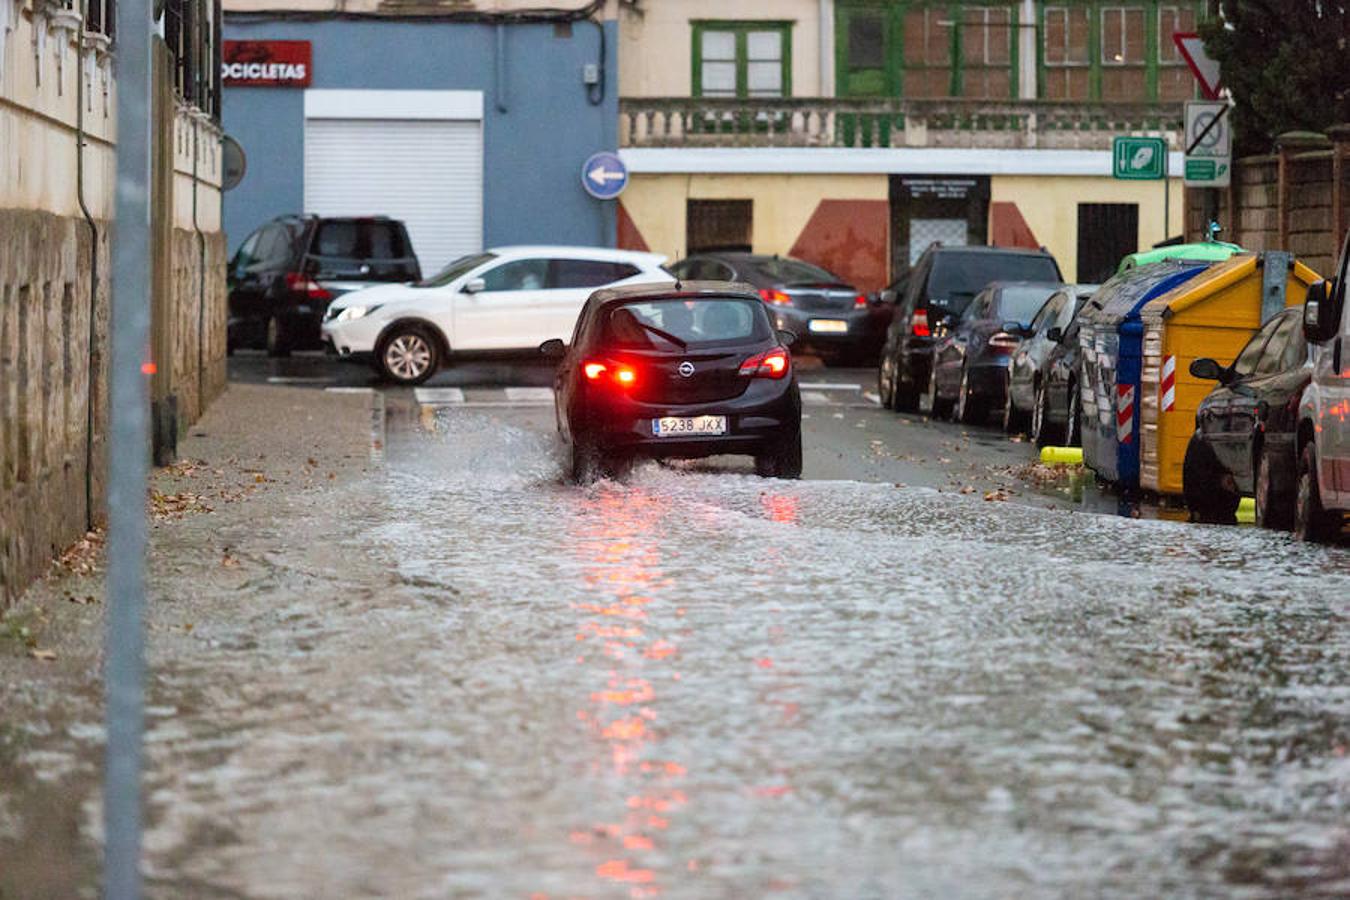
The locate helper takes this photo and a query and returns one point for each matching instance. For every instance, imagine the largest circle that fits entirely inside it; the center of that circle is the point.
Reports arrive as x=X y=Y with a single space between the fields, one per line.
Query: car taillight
x=776 y=297
x=300 y=283
x=772 y=364
x=618 y=373
x=860 y=302
x=1004 y=341
x=919 y=323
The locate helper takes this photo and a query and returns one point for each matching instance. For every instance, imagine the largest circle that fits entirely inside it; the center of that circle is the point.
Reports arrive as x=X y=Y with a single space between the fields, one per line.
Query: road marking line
x=816 y=398
x=827 y=386
x=350 y=390
x=295 y=379
x=529 y=393
x=872 y=398
x=439 y=396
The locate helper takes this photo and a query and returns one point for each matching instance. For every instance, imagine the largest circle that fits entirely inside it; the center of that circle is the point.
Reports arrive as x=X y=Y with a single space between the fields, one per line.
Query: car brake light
x=300 y=283
x=860 y=302
x=620 y=374
x=919 y=323
x=1004 y=341
x=776 y=297
x=772 y=364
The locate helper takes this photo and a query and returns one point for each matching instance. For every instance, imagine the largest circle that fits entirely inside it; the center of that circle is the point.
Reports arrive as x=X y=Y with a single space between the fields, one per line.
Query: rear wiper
x=664 y=335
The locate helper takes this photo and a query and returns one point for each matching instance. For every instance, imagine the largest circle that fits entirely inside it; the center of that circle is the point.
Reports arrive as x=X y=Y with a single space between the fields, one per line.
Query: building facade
x=856 y=132
x=57 y=149
x=468 y=121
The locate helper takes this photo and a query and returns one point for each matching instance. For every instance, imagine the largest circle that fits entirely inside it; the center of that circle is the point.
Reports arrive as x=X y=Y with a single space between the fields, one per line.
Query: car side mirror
x=1055 y=335
x=886 y=296
x=786 y=338
x=474 y=285
x=553 y=348
x=1319 y=318
x=1016 y=328
x=1209 y=370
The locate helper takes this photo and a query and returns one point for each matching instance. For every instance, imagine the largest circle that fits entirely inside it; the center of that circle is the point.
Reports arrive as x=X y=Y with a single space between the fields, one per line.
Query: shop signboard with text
x=267 y=64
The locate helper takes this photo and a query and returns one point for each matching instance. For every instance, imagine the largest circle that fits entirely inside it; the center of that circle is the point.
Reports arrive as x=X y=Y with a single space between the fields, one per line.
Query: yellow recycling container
x=1212 y=315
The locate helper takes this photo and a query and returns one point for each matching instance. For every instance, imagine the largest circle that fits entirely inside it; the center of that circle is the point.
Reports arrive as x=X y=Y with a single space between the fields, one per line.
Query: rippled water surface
x=704 y=684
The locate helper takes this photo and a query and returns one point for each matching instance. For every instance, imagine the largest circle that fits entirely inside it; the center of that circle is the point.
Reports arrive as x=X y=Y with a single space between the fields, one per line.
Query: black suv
x=929 y=299
x=284 y=275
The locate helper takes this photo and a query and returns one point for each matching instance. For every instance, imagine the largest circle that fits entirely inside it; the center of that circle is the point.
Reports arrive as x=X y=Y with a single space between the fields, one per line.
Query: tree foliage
x=1287 y=63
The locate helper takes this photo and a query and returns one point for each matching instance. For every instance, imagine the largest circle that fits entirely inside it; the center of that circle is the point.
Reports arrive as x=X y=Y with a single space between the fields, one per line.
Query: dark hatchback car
x=662 y=373
x=284 y=275
x=825 y=313
x=1026 y=371
x=970 y=361
x=1244 y=441
x=929 y=299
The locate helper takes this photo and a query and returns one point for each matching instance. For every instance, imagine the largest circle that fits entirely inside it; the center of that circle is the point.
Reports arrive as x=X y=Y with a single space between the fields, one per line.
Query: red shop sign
x=267 y=64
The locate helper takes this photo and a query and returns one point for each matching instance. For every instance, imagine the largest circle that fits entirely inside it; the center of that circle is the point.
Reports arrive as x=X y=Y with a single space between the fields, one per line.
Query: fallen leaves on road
x=998 y=495
x=82 y=557
x=175 y=506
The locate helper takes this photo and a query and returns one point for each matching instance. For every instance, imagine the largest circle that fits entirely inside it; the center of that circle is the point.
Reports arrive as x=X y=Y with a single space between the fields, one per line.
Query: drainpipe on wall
x=91 y=388
x=201 y=275
x=1026 y=47
x=827 y=48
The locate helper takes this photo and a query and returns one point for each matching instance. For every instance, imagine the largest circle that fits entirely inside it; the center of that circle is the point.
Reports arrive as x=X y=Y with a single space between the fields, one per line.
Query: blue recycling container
x=1111 y=365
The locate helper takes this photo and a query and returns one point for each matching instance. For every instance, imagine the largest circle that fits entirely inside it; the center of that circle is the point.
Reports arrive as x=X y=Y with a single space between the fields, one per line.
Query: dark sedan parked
x=1244 y=441
x=284 y=275
x=825 y=313
x=1056 y=408
x=970 y=369
x=659 y=372
x=1027 y=369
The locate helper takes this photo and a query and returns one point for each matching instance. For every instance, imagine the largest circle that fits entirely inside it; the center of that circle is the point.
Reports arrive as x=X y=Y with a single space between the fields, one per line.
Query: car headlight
x=355 y=312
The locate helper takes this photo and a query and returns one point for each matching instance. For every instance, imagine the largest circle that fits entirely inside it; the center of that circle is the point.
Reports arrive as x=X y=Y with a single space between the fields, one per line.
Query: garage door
x=427 y=172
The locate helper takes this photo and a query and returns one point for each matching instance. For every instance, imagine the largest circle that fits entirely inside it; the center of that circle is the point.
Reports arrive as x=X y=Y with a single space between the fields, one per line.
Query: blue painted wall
x=532 y=151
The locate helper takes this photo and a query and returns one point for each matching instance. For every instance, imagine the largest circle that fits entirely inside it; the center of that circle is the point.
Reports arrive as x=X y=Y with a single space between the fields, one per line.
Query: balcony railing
x=884 y=122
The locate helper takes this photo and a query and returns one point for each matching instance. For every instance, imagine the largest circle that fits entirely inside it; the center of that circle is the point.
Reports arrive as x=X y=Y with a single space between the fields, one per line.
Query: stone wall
x=199 y=310
x=46 y=359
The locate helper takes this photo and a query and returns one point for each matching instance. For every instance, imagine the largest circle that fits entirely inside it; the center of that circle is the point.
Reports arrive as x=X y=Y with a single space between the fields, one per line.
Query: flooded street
x=462 y=677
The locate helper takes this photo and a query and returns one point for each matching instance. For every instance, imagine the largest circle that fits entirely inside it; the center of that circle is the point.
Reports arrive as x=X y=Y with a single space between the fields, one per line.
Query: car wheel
x=408 y=355
x=782 y=459
x=1208 y=498
x=938 y=407
x=1043 y=431
x=1311 y=521
x=970 y=410
x=278 y=342
x=1272 y=511
x=1015 y=420
x=1073 y=426
x=885 y=387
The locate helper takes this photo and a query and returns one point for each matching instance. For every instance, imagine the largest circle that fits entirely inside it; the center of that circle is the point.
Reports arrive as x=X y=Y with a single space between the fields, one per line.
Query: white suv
x=506 y=298
x=1324 y=413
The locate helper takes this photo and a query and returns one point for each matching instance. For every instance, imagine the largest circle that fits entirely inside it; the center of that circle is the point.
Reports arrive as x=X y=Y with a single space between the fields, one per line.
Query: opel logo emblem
x=686 y=368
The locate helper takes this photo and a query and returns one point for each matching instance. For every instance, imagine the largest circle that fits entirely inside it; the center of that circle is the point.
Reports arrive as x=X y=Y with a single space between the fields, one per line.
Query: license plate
x=681 y=426
x=828 y=326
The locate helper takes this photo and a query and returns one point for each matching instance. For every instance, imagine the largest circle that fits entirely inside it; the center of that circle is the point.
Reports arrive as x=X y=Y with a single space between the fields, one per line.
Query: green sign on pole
x=1139 y=158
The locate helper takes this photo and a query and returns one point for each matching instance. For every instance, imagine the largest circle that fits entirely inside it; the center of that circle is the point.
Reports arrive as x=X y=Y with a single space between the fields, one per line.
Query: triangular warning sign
x=1205 y=69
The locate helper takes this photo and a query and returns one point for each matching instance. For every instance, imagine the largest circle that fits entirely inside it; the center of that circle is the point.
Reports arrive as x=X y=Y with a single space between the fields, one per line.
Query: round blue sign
x=604 y=176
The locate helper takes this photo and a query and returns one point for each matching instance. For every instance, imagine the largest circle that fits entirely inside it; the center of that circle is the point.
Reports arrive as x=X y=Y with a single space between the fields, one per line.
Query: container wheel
x=1208 y=498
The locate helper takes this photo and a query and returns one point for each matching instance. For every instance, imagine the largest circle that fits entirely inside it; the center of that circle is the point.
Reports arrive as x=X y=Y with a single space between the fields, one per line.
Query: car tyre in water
x=1311 y=521
x=278 y=341
x=1202 y=484
x=970 y=410
x=1073 y=427
x=1272 y=511
x=782 y=458
x=1043 y=431
x=408 y=355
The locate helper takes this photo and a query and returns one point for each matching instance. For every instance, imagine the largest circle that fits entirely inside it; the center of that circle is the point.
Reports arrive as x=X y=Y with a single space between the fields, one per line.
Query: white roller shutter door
x=427 y=172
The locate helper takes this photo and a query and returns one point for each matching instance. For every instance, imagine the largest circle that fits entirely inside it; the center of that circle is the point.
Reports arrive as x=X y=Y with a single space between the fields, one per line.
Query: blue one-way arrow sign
x=604 y=176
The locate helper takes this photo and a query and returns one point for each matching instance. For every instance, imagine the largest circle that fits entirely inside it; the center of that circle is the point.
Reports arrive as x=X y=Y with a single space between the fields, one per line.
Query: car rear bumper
x=858 y=329
x=989 y=377
x=766 y=412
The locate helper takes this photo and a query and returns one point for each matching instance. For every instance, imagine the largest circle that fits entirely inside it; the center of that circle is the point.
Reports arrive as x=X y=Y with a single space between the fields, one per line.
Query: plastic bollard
x=1064 y=456
x=1246 y=511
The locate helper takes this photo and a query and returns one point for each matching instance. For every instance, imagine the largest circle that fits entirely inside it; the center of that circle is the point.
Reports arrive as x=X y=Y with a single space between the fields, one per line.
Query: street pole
x=1167 y=190
x=128 y=460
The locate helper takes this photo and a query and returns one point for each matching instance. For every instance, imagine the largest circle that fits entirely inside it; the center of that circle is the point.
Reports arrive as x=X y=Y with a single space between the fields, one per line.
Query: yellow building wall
x=656 y=44
x=782 y=204
x=1049 y=204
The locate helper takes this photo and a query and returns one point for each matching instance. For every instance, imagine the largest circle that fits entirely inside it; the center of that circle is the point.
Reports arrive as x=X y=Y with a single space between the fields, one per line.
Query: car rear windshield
x=1020 y=304
x=681 y=323
x=957 y=277
x=462 y=266
x=794 y=271
x=358 y=240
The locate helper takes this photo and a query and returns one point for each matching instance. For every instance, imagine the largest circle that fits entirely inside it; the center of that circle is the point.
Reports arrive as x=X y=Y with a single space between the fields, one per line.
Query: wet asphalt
x=463 y=677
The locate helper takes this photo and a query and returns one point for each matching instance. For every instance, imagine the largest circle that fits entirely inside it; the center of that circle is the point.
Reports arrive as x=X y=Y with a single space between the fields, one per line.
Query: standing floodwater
x=704 y=684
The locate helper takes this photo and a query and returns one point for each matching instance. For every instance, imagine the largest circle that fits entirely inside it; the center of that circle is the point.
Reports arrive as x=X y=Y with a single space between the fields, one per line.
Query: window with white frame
x=1124 y=42
x=1067 y=52
x=1175 y=81
x=986 y=52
